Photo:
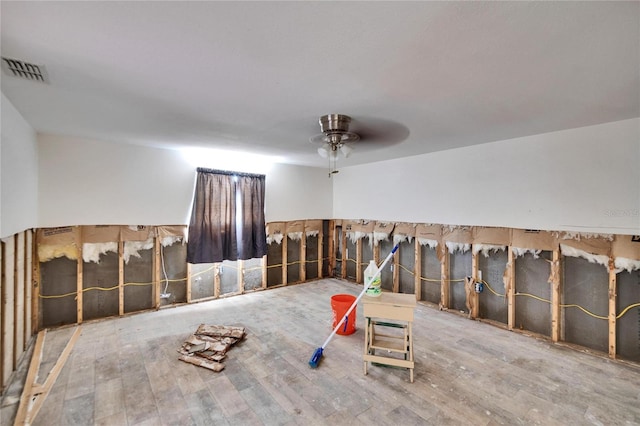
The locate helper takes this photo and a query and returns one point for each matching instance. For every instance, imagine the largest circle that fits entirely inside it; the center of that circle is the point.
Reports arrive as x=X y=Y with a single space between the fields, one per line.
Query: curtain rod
x=228 y=173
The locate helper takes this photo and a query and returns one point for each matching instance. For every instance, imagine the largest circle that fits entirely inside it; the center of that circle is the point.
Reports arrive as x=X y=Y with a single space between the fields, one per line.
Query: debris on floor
x=208 y=346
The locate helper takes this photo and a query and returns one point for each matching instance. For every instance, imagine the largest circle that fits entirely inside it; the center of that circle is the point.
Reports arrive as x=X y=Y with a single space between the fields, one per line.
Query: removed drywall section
x=58 y=290
x=430 y=274
x=459 y=268
x=18 y=172
x=493 y=301
x=138 y=282
x=405 y=265
x=202 y=281
x=100 y=297
x=628 y=325
x=533 y=293
x=175 y=265
x=585 y=284
x=599 y=192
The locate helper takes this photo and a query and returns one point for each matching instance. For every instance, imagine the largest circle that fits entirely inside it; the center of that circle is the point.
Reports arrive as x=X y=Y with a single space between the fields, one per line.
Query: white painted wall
x=19 y=172
x=585 y=179
x=91 y=182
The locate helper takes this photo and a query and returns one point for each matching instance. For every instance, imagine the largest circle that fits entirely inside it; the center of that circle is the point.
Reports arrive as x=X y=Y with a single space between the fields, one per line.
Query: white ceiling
x=256 y=76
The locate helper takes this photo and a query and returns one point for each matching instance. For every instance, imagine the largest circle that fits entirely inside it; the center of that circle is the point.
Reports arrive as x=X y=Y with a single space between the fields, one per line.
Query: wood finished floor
x=125 y=372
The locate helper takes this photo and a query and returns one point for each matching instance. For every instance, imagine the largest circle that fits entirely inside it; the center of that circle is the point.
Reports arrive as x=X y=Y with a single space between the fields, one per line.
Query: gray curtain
x=216 y=233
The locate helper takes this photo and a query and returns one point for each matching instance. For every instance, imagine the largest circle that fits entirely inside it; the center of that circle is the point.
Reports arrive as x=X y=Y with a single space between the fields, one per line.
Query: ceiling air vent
x=24 y=70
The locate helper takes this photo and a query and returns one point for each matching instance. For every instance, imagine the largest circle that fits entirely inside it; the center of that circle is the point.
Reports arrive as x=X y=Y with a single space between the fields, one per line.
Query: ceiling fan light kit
x=334 y=137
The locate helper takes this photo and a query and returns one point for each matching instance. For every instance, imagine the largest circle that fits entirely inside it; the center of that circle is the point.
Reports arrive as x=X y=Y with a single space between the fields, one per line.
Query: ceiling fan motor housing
x=337 y=123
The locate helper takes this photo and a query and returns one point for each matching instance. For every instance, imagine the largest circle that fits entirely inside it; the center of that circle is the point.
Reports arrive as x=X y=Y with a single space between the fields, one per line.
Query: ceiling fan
x=335 y=137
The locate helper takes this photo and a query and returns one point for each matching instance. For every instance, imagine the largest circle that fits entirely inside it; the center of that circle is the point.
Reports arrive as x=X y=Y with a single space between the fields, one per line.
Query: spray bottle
x=372 y=279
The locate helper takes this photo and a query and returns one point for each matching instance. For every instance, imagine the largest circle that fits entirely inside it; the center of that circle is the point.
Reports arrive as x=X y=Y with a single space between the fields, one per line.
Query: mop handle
x=367 y=285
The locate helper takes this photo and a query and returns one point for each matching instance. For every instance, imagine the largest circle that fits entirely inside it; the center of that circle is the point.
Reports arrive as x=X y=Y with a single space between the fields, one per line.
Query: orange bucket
x=340 y=304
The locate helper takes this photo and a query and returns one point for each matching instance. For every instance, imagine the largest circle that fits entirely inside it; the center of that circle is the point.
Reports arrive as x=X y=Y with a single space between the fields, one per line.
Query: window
x=227 y=217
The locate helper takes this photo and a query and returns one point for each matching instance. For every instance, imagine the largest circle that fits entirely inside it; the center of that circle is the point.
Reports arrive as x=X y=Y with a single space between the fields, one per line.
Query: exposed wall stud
x=474 y=301
x=396 y=271
x=303 y=257
x=510 y=284
x=121 y=277
x=556 y=284
x=263 y=266
x=359 y=261
x=417 y=270
x=285 y=262
x=79 y=286
x=240 y=275
x=189 y=299
x=445 y=285
x=613 y=282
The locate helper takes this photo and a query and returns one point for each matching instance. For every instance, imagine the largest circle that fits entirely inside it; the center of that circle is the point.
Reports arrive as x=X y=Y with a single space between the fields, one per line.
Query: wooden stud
x=6 y=302
x=359 y=261
x=555 y=297
x=28 y=259
x=79 y=287
x=189 y=283
x=32 y=375
x=285 y=263
x=121 y=277
x=396 y=271
x=216 y=279
x=376 y=253
x=18 y=291
x=51 y=378
x=345 y=255
x=320 y=252
x=240 y=275
x=613 y=283
x=332 y=247
x=417 y=270
x=263 y=265
x=474 y=297
x=35 y=290
x=444 y=277
x=157 y=276
x=511 y=289
x=303 y=257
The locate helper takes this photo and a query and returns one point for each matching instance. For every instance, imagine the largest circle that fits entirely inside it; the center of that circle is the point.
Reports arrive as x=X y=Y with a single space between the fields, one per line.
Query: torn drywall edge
x=295 y=236
x=275 y=238
x=380 y=236
x=131 y=248
x=485 y=249
x=566 y=235
x=518 y=251
x=354 y=236
x=312 y=233
x=400 y=238
x=592 y=258
x=91 y=252
x=427 y=242
x=50 y=252
x=623 y=264
x=461 y=247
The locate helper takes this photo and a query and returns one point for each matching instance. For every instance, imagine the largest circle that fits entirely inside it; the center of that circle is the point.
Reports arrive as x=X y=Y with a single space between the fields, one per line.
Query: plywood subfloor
x=125 y=372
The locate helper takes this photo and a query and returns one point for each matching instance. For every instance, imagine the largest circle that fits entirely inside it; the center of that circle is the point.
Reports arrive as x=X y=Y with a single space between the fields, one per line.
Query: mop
x=317 y=355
